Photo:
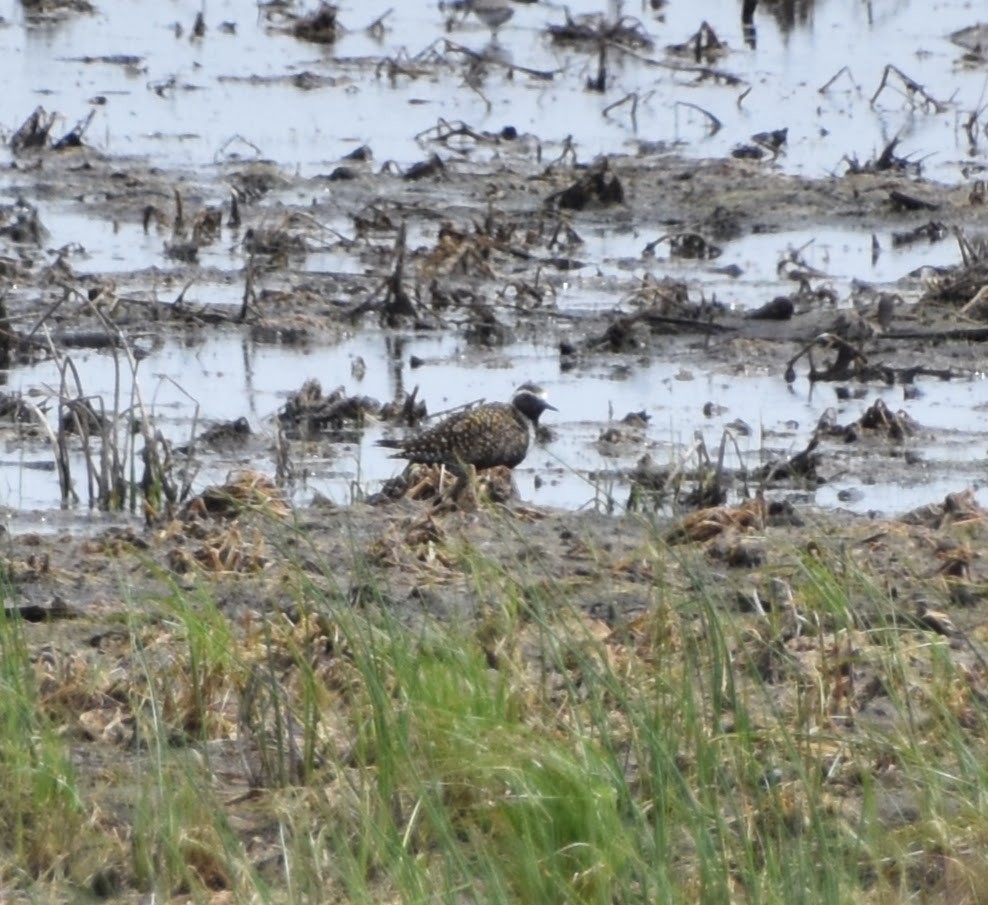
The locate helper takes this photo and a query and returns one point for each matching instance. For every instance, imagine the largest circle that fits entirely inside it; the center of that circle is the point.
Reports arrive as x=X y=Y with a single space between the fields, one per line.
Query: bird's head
x=530 y=400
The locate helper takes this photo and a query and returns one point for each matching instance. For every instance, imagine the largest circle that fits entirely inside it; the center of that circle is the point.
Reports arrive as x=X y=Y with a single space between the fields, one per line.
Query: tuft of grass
x=41 y=811
x=325 y=744
x=181 y=840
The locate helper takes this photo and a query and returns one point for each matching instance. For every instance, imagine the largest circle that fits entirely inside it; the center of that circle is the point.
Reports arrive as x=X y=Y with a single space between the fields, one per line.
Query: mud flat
x=658 y=267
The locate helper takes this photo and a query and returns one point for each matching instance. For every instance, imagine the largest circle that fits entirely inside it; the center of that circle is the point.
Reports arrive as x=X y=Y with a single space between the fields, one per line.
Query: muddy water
x=843 y=254
x=192 y=104
x=765 y=417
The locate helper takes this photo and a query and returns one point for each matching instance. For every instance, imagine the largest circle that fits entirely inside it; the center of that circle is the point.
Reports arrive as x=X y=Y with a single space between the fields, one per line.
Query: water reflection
x=789 y=14
x=238 y=70
x=748 y=8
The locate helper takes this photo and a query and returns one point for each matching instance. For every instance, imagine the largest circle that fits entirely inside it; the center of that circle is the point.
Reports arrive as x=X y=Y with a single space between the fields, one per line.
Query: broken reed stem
x=696 y=449
x=542 y=75
x=599 y=82
x=716 y=124
x=444 y=130
x=112 y=466
x=721 y=454
x=105 y=478
x=44 y=317
x=151 y=452
x=80 y=411
x=188 y=472
x=61 y=462
x=65 y=407
x=704 y=72
x=376 y=28
x=179 y=224
x=628 y=98
x=825 y=87
x=248 y=288
x=284 y=470
x=913 y=88
x=743 y=470
x=969 y=256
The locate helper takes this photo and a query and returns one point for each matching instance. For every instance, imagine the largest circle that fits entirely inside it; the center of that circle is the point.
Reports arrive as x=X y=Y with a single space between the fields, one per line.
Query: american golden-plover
x=497 y=433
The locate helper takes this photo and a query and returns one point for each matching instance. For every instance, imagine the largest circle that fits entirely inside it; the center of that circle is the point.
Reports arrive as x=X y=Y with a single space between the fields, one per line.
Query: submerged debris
x=80 y=416
x=686 y=245
x=904 y=202
x=597 y=186
x=930 y=232
x=664 y=309
x=762 y=142
x=974 y=39
x=295 y=235
x=887 y=160
x=486 y=330
x=649 y=485
x=33 y=132
x=881 y=419
x=800 y=467
x=957 y=508
x=226 y=436
x=73 y=138
x=433 y=166
x=55 y=9
x=309 y=414
x=458 y=252
x=703 y=46
x=595 y=30
x=877 y=419
x=391 y=299
x=781 y=308
x=966 y=282
x=19 y=222
x=319 y=26
x=186 y=252
x=13 y=408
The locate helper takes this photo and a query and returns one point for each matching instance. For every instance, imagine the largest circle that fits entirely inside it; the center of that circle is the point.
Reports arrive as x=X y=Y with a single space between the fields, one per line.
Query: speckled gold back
x=486 y=436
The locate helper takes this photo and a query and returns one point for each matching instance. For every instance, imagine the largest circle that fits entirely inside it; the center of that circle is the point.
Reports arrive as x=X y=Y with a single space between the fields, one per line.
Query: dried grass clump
x=244 y=492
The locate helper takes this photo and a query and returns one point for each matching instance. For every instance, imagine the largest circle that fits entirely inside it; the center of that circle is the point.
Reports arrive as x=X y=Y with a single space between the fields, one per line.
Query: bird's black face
x=531 y=404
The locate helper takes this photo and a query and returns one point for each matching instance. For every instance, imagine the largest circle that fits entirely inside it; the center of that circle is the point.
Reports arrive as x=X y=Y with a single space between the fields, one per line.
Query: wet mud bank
x=717 y=282
x=506 y=268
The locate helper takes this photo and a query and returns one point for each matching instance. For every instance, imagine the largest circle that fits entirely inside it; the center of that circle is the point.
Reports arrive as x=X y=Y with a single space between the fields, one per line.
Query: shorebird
x=497 y=433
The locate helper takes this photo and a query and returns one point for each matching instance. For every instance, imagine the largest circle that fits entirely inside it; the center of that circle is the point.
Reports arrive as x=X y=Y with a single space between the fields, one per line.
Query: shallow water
x=842 y=254
x=574 y=472
x=195 y=103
